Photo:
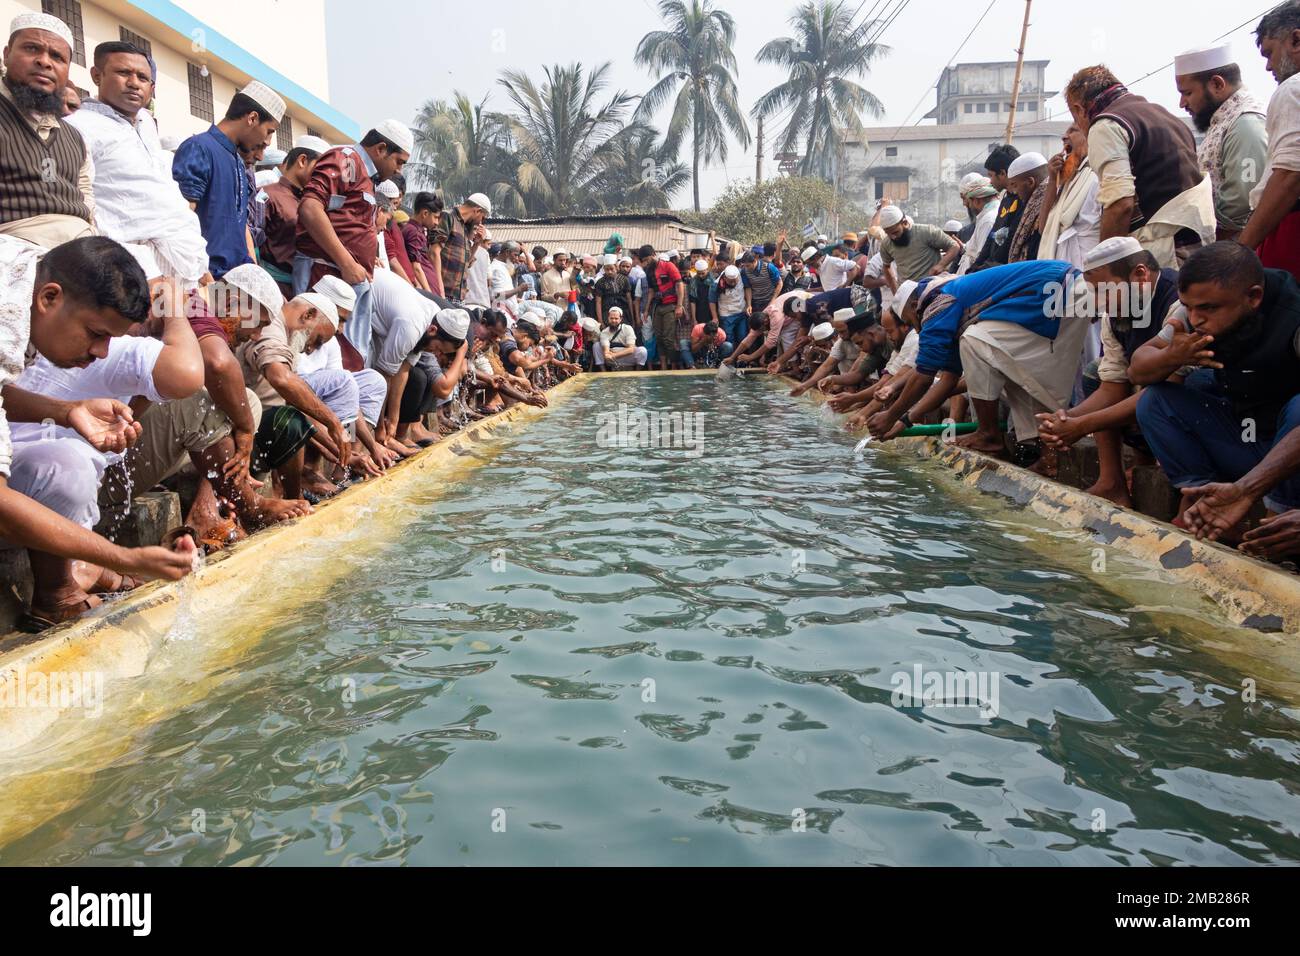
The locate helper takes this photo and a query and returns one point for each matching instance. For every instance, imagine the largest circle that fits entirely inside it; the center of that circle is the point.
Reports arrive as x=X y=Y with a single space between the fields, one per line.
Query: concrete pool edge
x=69 y=647
x=1250 y=593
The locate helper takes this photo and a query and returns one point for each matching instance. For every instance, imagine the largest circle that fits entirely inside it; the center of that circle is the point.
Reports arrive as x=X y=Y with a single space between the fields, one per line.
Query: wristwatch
x=905 y=420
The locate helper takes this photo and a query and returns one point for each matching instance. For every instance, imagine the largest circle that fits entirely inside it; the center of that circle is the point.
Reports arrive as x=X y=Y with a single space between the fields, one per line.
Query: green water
x=501 y=652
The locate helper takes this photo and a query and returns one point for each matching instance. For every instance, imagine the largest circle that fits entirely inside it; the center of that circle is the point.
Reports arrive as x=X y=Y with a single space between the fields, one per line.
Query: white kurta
x=136 y=199
x=18 y=261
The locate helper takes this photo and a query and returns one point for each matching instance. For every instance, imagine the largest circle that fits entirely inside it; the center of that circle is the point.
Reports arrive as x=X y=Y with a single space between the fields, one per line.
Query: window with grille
x=69 y=11
x=284 y=135
x=137 y=41
x=891 y=150
x=200 y=93
x=969 y=107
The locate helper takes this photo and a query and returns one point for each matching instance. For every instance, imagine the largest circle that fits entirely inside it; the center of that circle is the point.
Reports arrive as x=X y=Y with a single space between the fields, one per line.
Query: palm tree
x=639 y=172
x=823 y=56
x=463 y=148
x=562 y=134
x=694 y=52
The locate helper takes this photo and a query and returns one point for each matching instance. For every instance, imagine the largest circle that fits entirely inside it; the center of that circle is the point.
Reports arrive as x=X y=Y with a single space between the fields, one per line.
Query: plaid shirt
x=454 y=237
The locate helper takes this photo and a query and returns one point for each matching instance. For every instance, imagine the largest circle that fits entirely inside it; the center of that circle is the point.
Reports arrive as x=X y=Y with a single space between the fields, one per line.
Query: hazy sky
x=430 y=47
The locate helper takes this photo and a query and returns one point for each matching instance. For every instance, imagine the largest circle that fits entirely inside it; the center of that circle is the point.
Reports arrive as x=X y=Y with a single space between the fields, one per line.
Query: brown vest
x=38 y=178
x=1162 y=154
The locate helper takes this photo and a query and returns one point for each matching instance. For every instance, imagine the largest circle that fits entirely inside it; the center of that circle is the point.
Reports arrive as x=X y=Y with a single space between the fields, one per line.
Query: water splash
x=861 y=446
x=185 y=626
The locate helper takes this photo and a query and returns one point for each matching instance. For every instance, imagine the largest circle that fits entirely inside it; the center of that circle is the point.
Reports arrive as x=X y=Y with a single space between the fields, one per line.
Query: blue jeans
x=684 y=352
x=357 y=327
x=1198 y=438
x=736 y=327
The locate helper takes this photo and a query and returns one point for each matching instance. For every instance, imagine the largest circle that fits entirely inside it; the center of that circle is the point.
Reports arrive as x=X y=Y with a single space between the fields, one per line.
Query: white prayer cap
x=548 y=261
x=843 y=315
x=952 y=225
x=42 y=21
x=323 y=305
x=731 y=272
x=672 y=253
x=455 y=322
x=627 y=259
x=613 y=309
x=265 y=97
x=397 y=133
x=808 y=253
x=904 y=293
x=591 y=325
x=823 y=331
x=389 y=189
x=337 y=291
x=560 y=252
x=609 y=260
x=890 y=216
x=314 y=143
x=1204 y=59
x=480 y=200
x=823 y=239
x=1110 y=250
x=272 y=157
x=1026 y=163
x=256 y=282
x=701 y=265
x=169 y=143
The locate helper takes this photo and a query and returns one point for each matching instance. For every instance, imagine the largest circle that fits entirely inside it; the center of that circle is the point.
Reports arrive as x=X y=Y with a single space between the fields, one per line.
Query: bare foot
x=318 y=484
x=990 y=444
x=267 y=511
x=1117 y=494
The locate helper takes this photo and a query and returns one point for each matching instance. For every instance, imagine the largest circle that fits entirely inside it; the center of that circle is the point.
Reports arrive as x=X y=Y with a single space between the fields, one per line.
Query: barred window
x=200 y=93
x=69 y=11
x=137 y=41
x=284 y=135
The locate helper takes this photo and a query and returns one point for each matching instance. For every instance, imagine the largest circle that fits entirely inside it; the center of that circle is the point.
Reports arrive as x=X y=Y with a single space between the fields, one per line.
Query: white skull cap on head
x=808 y=253
x=823 y=331
x=42 y=21
x=890 y=216
x=1204 y=59
x=904 y=293
x=701 y=265
x=389 y=189
x=337 y=291
x=268 y=99
x=257 y=284
x=481 y=200
x=1110 y=250
x=314 y=143
x=843 y=315
x=323 y=305
x=455 y=322
x=952 y=225
x=1026 y=163
x=397 y=133
x=731 y=272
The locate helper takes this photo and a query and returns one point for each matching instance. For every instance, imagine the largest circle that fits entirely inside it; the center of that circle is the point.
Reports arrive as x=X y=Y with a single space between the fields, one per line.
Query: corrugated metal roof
x=585 y=235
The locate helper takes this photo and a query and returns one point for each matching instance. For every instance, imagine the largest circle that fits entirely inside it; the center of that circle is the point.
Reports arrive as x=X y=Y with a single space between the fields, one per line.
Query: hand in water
x=168 y=564
x=1215 y=509
x=106 y=423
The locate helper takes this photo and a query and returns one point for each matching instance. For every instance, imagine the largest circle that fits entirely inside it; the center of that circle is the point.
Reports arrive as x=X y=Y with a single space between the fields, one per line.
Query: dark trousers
x=417 y=399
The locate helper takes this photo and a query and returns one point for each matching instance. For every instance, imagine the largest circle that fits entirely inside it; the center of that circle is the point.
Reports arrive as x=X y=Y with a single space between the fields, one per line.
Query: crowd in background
x=263 y=328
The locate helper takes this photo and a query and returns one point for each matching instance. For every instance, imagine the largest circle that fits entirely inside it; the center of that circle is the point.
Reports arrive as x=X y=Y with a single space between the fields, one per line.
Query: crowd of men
x=272 y=326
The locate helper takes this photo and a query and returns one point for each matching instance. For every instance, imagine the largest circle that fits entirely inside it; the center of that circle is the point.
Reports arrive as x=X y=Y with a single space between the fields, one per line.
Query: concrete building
x=206 y=51
x=918 y=167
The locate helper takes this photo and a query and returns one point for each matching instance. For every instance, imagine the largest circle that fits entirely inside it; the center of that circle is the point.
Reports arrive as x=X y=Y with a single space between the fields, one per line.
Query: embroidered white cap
x=313 y=143
x=952 y=225
x=397 y=133
x=455 y=322
x=1026 y=163
x=904 y=293
x=823 y=331
x=808 y=253
x=843 y=315
x=337 y=291
x=323 y=305
x=257 y=284
x=388 y=189
x=265 y=97
x=42 y=21
x=1110 y=250
x=890 y=216
x=1204 y=59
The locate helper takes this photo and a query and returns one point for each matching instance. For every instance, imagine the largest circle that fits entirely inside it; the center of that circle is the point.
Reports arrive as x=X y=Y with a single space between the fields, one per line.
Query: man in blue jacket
x=1015 y=330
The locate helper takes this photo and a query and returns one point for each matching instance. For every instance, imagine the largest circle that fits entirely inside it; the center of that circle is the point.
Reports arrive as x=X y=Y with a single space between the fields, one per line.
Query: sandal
x=34 y=622
x=124 y=583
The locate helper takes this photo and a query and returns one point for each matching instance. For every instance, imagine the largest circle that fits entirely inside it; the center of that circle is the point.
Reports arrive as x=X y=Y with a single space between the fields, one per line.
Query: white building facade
x=205 y=51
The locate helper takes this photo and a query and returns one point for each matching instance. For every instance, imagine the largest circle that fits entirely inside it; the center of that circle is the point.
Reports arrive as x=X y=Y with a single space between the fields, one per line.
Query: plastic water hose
x=952 y=428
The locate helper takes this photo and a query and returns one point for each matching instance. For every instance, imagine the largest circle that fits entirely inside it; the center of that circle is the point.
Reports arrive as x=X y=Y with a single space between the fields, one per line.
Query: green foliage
x=758 y=213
